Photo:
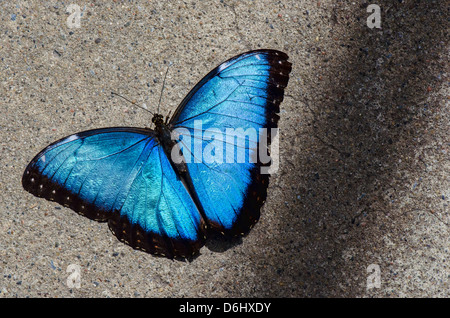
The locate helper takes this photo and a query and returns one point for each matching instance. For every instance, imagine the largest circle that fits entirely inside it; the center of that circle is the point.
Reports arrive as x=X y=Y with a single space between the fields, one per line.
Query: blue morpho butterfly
x=127 y=177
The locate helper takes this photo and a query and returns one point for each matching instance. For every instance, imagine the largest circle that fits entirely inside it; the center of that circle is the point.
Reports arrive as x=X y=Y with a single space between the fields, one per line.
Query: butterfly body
x=129 y=178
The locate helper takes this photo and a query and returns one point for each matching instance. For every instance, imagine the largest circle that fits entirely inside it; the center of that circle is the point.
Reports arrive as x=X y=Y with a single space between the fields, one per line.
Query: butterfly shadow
x=218 y=243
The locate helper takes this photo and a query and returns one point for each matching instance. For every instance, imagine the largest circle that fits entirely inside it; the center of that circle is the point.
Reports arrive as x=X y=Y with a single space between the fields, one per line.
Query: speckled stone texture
x=364 y=143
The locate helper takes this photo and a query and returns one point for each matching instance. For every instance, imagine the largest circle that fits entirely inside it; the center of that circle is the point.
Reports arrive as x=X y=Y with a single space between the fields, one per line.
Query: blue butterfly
x=127 y=176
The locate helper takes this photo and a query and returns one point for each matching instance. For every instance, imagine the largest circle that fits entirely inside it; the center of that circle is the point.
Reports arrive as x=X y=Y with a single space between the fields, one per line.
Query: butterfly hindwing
x=243 y=93
x=120 y=175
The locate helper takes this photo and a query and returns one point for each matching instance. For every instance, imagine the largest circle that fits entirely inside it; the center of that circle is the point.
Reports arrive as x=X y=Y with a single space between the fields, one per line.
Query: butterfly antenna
x=162 y=89
x=132 y=102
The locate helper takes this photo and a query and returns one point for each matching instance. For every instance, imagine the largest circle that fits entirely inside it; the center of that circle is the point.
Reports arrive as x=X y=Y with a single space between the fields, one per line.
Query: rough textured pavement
x=364 y=142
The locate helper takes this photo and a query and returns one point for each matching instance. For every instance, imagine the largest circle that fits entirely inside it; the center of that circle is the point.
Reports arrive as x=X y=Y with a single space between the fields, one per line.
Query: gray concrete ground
x=364 y=172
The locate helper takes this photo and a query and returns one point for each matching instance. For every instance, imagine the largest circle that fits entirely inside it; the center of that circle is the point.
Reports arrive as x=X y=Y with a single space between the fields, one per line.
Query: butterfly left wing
x=244 y=93
x=120 y=175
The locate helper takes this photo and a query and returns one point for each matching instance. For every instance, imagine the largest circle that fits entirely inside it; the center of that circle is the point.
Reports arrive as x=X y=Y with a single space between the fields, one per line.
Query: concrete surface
x=364 y=172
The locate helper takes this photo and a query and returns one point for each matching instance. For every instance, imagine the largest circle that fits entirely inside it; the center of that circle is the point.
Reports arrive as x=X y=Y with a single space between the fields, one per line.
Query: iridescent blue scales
x=127 y=177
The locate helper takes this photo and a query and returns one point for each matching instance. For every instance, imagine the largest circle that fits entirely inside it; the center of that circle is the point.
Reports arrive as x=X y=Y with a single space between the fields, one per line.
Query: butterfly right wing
x=120 y=175
x=233 y=103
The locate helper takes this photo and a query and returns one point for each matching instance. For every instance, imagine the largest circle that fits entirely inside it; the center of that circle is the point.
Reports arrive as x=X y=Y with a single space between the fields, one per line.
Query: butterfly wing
x=120 y=175
x=245 y=93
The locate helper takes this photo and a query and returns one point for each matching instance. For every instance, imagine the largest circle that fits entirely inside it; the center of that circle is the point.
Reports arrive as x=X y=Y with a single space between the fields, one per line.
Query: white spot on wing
x=222 y=67
x=71 y=138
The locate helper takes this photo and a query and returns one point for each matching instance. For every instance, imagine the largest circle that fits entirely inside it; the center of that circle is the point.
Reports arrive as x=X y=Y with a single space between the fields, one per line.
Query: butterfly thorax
x=164 y=137
x=162 y=130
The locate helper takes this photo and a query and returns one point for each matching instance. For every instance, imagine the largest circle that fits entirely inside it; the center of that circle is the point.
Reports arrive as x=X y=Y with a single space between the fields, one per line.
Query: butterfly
x=128 y=176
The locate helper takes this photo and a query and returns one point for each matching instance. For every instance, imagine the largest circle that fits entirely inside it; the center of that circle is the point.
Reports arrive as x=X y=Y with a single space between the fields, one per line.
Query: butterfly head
x=158 y=120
